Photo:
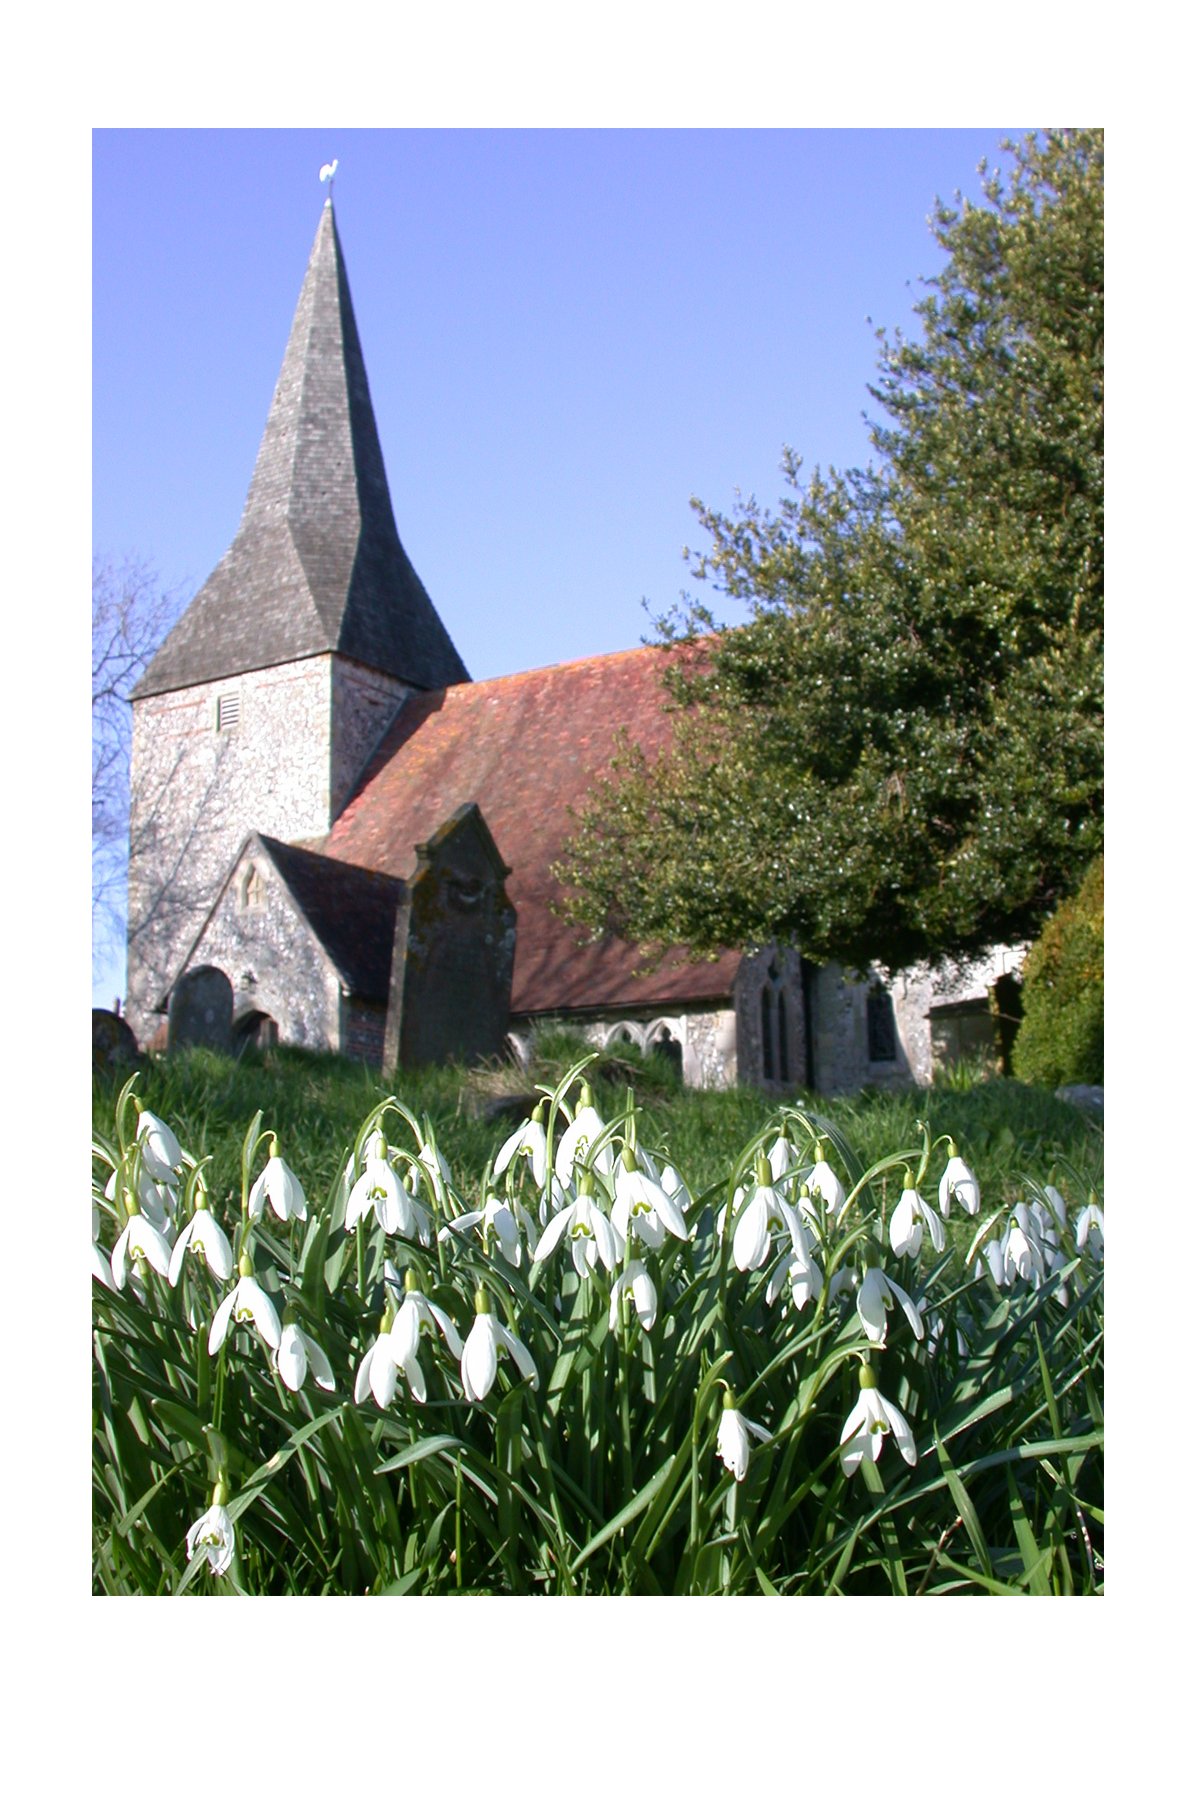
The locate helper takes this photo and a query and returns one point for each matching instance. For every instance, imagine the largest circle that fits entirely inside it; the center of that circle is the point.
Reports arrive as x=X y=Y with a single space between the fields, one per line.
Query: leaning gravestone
x=114 y=1046
x=452 y=963
x=201 y=1011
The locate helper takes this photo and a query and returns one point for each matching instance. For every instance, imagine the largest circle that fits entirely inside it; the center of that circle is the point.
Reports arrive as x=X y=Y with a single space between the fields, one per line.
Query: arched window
x=773 y=1004
x=881 y=1025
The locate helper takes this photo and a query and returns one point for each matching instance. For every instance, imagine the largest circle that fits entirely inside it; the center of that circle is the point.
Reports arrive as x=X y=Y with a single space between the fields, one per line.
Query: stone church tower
x=263 y=706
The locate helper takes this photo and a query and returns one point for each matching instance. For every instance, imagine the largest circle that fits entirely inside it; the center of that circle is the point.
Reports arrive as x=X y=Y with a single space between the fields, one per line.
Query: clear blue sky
x=567 y=335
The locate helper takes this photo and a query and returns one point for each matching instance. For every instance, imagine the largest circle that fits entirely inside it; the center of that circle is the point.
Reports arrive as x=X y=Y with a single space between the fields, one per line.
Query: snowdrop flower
x=643 y=1207
x=528 y=1142
x=959 y=1184
x=213 y=1534
x=764 y=1212
x=162 y=1156
x=377 y=1370
x=1058 y=1205
x=781 y=1157
x=587 y=1230
x=578 y=1138
x=417 y=1318
x=823 y=1181
x=1089 y=1230
x=281 y=1187
x=245 y=1304
x=139 y=1243
x=877 y=1294
x=296 y=1352
x=800 y=1270
x=377 y=1189
x=204 y=1237
x=911 y=1219
x=994 y=1255
x=380 y=1190
x=481 y=1352
x=155 y=1199
x=671 y=1182
x=869 y=1422
x=733 y=1438
x=499 y=1218
x=633 y=1287
x=1022 y=1248
x=101 y=1264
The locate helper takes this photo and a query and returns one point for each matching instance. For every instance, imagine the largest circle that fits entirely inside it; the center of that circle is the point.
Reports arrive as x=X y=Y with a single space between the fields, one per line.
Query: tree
x=131 y=615
x=900 y=753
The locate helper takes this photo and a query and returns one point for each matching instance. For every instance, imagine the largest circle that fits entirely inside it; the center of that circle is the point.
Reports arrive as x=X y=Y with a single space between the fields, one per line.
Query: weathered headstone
x=114 y=1046
x=201 y=1011
x=456 y=933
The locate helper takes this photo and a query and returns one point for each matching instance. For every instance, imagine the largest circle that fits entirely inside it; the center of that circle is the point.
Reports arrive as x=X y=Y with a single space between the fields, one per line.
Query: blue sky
x=568 y=334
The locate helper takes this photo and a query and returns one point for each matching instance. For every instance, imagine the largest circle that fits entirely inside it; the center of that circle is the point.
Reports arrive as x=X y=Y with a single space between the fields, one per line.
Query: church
x=339 y=840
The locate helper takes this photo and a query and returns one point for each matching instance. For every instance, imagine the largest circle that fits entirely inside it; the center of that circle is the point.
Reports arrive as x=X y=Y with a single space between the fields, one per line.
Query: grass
x=316 y=1102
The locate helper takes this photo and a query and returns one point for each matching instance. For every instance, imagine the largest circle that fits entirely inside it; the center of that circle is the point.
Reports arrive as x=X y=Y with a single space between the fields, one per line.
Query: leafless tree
x=131 y=615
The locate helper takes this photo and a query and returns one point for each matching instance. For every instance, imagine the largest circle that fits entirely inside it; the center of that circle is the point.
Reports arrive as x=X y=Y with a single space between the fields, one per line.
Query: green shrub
x=1061 y=1038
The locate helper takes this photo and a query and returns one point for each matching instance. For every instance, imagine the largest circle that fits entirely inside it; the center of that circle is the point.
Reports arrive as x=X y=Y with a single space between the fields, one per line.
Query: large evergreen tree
x=900 y=753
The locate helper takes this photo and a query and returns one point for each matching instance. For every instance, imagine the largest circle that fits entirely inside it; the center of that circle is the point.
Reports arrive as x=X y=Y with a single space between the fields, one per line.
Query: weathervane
x=328 y=171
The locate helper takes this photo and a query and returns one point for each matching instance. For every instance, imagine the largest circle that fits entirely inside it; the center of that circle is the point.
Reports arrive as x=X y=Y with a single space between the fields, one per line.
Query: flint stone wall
x=304 y=732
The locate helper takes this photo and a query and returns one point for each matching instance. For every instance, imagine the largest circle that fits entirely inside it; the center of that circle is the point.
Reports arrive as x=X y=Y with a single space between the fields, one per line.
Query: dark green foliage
x=901 y=753
x=1062 y=1034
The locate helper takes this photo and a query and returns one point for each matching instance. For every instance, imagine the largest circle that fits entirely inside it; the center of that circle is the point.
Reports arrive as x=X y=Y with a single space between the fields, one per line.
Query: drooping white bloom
x=154 y=1198
x=162 y=1156
x=281 y=1186
x=877 y=1294
x=296 y=1353
x=588 y=1232
x=1089 y=1231
x=380 y=1190
x=101 y=1264
x=959 y=1184
x=799 y=1270
x=1057 y=1204
x=246 y=1304
x=1022 y=1248
x=766 y=1211
x=204 y=1237
x=869 y=1422
x=823 y=1181
x=633 y=1287
x=377 y=1371
x=912 y=1217
x=733 y=1439
x=416 y=1318
x=139 y=1243
x=212 y=1534
x=577 y=1140
x=505 y=1222
x=481 y=1352
x=377 y=1189
x=781 y=1157
x=993 y=1252
x=644 y=1208
x=528 y=1142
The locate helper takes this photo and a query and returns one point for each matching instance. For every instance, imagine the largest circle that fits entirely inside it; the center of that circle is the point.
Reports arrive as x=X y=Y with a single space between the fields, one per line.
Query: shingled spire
x=317 y=564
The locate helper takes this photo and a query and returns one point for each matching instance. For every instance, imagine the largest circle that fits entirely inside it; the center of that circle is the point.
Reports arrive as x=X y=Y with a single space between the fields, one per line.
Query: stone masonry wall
x=196 y=792
x=274 y=963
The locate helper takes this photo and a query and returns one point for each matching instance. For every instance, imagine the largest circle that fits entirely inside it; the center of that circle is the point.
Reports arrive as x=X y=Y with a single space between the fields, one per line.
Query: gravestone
x=201 y=1011
x=114 y=1046
x=452 y=963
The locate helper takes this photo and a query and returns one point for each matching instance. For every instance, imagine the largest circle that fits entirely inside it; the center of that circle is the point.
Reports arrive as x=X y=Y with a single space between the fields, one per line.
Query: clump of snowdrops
x=585 y=1377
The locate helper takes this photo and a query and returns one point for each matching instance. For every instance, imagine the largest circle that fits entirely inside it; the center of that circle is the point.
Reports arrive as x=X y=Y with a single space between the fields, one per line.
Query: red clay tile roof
x=526 y=747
